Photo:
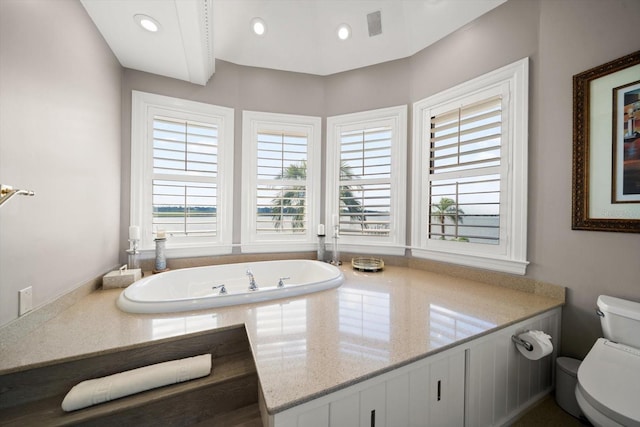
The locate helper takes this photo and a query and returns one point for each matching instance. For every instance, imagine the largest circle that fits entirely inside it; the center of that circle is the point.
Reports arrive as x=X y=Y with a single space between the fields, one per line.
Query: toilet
x=608 y=388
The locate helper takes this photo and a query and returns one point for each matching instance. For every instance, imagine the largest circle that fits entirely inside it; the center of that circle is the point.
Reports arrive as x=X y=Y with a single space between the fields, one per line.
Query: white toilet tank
x=620 y=320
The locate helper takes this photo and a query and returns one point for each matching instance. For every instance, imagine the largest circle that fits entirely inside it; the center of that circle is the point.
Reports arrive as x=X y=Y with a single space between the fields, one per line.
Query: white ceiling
x=300 y=37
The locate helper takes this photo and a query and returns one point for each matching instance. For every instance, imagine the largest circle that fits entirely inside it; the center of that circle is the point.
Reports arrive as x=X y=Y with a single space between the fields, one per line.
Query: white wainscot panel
x=501 y=383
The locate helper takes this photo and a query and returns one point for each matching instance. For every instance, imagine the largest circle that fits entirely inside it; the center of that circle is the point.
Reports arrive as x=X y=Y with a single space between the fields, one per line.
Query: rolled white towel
x=99 y=390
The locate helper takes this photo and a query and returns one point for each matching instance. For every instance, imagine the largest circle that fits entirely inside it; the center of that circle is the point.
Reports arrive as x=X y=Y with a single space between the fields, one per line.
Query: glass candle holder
x=133 y=255
x=321 y=247
x=161 y=259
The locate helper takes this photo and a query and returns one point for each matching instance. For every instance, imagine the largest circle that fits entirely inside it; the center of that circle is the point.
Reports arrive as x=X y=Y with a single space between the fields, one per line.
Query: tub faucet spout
x=252 y=281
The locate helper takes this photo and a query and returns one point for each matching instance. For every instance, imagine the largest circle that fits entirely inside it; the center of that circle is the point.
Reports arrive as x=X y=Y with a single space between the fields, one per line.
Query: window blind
x=282 y=186
x=464 y=173
x=184 y=187
x=365 y=181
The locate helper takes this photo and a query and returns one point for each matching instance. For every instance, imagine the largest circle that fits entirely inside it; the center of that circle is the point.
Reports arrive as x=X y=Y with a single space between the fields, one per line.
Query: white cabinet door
x=310 y=414
x=317 y=417
x=373 y=406
x=398 y=400
x=446 y=391
x=345 y=412
x=419 y=396
x=436 y=392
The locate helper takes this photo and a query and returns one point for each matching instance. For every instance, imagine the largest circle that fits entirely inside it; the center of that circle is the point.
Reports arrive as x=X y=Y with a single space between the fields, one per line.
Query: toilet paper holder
x=519 y=341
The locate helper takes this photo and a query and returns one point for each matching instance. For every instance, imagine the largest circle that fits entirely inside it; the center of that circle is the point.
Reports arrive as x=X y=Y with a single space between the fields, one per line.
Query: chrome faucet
x=281 y=281
x=223 y=289
x=252 y=281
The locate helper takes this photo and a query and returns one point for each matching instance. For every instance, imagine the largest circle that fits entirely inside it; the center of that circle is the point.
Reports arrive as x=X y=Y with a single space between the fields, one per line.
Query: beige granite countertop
x=307 y=346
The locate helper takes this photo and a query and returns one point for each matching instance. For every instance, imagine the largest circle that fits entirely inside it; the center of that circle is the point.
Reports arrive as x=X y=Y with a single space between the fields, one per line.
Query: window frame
x=395 y=242
x=252 y=123
x=146 y=106
x=510 y=255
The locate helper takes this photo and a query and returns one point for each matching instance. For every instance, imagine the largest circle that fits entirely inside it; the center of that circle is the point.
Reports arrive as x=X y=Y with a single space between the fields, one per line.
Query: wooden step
x=231 y=386
x=247 y=416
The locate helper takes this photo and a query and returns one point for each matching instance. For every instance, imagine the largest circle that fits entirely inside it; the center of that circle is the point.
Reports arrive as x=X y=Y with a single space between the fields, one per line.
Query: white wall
x=59 y=136
x=574 y=37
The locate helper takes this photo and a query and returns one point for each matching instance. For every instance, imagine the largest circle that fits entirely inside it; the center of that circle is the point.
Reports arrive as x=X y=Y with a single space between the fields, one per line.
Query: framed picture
x=626 y=144
x=606 y=147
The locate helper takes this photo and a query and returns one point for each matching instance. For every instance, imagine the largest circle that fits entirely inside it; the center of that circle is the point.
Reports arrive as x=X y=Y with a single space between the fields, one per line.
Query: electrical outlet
x=25 y=300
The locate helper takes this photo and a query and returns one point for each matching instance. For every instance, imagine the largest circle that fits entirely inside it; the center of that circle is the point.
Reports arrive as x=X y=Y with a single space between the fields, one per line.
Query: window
x=366 y=180
x=182 y=174
x=281 y=182
x=470 y=172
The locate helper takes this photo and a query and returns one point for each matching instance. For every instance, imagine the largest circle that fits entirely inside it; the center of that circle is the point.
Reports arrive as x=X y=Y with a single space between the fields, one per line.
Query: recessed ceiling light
x=344 y=31
x=147 y=22
x=258 y=26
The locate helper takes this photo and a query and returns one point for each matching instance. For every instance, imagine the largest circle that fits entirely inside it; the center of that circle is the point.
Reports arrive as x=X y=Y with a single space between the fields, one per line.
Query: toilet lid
x=609 y=378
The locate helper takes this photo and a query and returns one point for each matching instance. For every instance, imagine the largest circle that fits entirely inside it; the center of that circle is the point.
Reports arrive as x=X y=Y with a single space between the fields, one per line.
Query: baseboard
x=535 y=400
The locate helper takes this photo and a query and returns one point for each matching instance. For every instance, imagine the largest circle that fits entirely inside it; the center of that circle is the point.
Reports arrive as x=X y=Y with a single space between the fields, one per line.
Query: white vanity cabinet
x=482 y=382
x=426 y=392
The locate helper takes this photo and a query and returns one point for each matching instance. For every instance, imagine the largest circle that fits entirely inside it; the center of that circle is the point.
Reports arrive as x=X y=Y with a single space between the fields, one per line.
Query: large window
x=182 y=174
x=280 y=182
x=366 y=177
x=470 y=172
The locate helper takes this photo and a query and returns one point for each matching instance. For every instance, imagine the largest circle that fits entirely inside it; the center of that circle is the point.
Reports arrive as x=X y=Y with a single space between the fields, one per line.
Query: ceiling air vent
x=374 y=21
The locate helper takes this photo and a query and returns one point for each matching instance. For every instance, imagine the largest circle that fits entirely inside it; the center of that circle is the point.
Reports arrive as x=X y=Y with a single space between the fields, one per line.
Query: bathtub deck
x=304 y=346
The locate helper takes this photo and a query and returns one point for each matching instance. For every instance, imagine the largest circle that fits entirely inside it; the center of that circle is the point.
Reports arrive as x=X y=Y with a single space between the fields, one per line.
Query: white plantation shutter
x=470 y=172
x=182 y=174
x=280 y=181
x=366 y=180
x=185 y=164
x=467 y=137
x=465 y=174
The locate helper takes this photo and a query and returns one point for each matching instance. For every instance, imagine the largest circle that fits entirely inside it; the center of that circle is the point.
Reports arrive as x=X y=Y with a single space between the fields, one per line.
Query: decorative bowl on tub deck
x=202 y=287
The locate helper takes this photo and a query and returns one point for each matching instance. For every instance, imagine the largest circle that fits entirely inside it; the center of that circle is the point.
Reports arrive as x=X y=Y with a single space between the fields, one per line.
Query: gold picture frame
x=598 y=124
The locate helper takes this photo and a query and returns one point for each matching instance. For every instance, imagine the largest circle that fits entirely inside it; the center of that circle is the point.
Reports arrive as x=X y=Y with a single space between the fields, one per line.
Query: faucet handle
x=223 y=289
x=252 y=281
x=281 y=281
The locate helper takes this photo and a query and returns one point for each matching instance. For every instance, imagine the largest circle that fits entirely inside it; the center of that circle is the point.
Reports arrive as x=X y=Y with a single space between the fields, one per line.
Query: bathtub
x=199 y=288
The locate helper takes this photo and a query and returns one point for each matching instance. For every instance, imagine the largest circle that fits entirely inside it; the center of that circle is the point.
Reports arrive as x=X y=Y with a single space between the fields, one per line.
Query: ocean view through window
x=281 y=181
x=470 y=172
x=182 y=174
x=366 y=180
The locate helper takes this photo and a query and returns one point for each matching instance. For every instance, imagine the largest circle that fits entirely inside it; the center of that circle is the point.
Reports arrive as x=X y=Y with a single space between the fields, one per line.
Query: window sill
x=188 y=252
x=487 y=263
x=367 y=249
x=277 y=247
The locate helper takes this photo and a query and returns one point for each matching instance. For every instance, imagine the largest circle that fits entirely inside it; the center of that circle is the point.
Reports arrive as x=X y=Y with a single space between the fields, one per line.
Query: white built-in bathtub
x=199 y=288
